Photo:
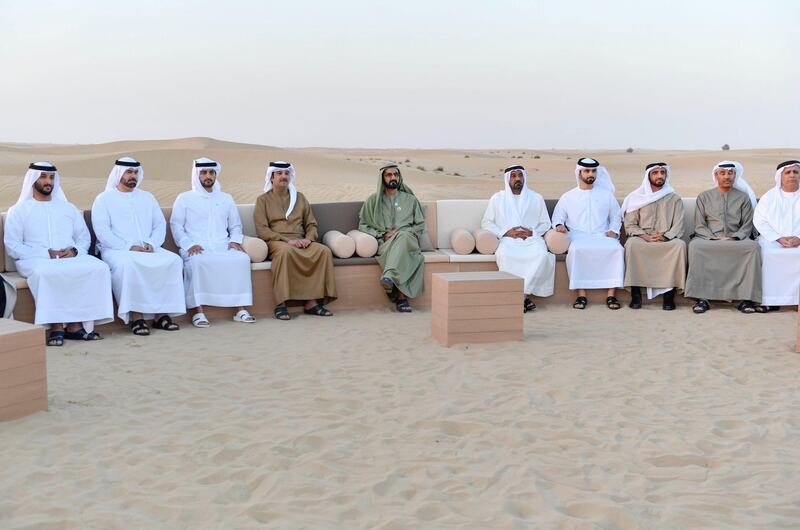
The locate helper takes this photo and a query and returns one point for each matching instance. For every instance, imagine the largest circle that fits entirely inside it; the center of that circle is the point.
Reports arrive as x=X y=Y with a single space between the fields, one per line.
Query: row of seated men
x=49 y=240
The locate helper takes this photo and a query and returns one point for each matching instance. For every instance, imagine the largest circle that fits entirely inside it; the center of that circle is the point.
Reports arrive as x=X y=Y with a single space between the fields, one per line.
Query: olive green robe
x=400 y=257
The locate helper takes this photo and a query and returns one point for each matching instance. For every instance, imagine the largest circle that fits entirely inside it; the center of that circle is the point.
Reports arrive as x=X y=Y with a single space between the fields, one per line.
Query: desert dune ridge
x=334 y=175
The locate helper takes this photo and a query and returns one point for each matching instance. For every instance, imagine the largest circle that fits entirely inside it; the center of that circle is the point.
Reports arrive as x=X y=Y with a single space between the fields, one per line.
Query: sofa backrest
x=341 y=216
x=452 y=214
x=5 y=261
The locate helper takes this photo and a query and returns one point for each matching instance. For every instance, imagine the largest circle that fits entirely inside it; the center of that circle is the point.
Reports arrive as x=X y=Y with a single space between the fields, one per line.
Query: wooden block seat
x=482 y=306
x=23 y=369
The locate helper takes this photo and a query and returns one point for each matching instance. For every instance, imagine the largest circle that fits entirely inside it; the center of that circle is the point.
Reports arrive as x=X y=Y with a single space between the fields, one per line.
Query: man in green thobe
x=394 y=217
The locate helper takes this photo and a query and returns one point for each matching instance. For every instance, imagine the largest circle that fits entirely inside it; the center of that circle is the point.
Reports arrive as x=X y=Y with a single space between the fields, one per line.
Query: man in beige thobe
x=724 y=260
x=655 y=254
x=302 y=269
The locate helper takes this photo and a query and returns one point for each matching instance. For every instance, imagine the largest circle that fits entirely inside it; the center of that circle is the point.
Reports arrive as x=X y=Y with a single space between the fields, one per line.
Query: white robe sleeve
x=560 y=213
x=159 y=224
x=614 y=215
x=234 y=224
x=80 y=232
x=543 y=225
x=101 y=222
x=177 y=223
x=489 y=221
x=13 y=237
x=762 y=223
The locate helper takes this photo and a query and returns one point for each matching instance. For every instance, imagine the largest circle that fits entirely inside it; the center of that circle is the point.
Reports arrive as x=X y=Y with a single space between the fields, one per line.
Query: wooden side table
x=23 y=369
x=476 y=307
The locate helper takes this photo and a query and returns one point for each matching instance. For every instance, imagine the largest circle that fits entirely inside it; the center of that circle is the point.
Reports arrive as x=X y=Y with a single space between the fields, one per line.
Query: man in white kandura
x=518 y=216
x=49 y=240
x=591 y=216
x=777 y=219
x=206 y=226
x=147 y=280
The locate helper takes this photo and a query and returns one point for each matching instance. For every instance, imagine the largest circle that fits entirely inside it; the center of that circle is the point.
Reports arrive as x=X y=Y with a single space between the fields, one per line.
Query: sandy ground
x=597 y=420
x=329 y=175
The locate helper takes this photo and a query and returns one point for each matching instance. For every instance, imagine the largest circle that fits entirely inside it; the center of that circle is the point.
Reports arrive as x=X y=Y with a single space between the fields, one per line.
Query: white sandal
x=199 y=320
x=244 y=316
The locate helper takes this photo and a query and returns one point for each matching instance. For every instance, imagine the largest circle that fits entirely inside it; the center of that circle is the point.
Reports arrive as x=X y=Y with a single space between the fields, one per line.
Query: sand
x=598 y=420
x=330 y=175
x=583 y=425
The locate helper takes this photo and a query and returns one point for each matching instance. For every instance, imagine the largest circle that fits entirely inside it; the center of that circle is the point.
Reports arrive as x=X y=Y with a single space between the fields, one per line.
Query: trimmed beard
x=41 y=189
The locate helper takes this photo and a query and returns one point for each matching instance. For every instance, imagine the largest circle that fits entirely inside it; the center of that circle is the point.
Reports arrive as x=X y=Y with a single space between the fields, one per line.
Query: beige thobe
x=297 y=273
x=656 y=265
x=724 y=269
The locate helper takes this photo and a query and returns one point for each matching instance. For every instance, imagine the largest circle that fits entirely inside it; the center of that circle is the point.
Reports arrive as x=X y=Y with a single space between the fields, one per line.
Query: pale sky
x=374 y=73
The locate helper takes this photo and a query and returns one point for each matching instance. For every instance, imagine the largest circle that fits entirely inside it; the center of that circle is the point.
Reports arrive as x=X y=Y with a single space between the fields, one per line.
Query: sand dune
x=329 y=175
x=583 y=425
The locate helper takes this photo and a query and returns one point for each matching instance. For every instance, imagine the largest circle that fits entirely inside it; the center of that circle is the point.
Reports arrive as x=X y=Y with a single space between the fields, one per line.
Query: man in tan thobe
x=302 y=269
x=655 y=254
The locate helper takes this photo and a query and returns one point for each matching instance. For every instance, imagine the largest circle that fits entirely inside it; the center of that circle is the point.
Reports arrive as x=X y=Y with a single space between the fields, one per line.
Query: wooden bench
x=23 y=369
x=476 y=307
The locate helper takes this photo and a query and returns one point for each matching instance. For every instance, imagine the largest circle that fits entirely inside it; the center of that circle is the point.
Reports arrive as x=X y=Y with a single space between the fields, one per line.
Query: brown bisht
x=297 y=273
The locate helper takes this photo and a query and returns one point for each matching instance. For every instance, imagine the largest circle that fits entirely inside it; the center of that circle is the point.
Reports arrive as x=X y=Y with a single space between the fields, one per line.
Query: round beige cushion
x=557 y=243
x=366 y=245
x=485 y=241
x=462 y=241
x=341 y=246
x=256 y=248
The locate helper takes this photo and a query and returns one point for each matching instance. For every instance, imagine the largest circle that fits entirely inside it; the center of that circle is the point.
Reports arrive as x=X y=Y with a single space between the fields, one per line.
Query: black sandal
x=282 y=313
x=388 y=285
x=139 y=327
x=318 y=310
x=82 y=334
x=747 y=307
x=56 y=338
x=767 y=308
x=403 y=306
x=528 y=305
x=612 y=303
x=166 y=323
x=700 y=307
x=580 y=303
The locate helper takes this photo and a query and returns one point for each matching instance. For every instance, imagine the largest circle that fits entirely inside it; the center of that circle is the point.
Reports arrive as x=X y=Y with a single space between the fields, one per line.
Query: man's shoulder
x=411 y=196
x=672 y=197
x=183 y=196
x=145 y=194
x=569 y=193
x=705 y=194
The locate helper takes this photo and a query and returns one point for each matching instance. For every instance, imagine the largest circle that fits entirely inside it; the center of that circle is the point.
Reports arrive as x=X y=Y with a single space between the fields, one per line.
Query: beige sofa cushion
x=461 y=241
x=366 y=245
x=556 y=242
x=255 y=248
x=341 y=245
x=485 y=241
